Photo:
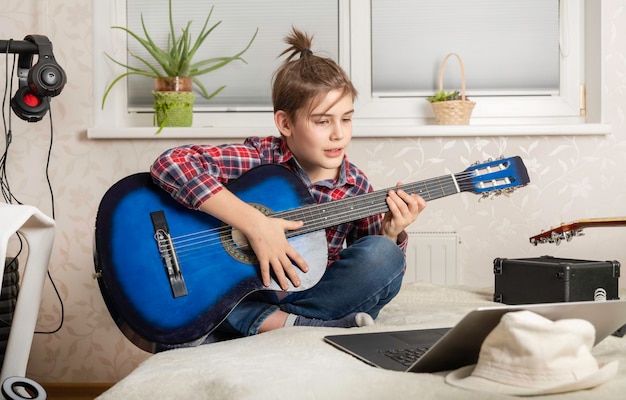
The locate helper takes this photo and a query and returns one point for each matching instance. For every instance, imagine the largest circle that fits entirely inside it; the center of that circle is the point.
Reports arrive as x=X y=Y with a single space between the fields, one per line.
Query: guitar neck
x=325 y=215
x=598 y=222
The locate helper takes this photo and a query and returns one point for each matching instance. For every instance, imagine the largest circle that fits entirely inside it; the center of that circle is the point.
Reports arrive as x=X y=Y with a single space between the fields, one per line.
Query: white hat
x=527 y=354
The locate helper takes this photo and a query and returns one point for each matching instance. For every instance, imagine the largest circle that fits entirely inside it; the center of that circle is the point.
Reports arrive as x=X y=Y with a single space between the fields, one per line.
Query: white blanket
x=295 y=363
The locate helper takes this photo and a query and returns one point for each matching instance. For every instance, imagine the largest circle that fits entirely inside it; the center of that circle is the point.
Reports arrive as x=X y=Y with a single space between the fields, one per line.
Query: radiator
x=431 y=257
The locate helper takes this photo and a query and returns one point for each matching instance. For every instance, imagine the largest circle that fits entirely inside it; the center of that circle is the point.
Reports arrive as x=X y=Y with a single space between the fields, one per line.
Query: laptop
x=434 y=350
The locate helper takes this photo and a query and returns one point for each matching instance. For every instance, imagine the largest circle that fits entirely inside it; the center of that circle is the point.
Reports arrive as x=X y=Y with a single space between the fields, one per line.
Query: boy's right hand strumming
x=266 y=236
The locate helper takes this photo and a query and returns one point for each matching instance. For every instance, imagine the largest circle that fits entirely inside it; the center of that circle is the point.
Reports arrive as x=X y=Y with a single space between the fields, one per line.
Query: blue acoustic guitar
x=170 y=275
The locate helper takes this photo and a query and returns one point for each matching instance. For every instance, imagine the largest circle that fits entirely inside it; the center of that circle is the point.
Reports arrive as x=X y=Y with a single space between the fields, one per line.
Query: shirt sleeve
x=403 y=241
x=193 y=173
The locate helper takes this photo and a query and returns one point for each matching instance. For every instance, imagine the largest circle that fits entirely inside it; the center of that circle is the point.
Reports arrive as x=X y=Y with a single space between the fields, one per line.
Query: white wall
x=572 y=178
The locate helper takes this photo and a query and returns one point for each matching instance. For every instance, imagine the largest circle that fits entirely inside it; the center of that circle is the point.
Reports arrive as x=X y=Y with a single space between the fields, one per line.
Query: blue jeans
x=365 y=278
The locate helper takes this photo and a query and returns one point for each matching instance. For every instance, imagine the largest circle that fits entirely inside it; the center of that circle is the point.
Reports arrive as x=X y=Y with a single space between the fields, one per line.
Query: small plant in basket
x=442 y=95
x=451 y=108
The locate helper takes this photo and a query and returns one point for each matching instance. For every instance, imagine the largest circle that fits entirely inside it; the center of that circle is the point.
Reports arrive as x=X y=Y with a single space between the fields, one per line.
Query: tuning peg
x=489 y=195
x=556 y=238
x=507 y=191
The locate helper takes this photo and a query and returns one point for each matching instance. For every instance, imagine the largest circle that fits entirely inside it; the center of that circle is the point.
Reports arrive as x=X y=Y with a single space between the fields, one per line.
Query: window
x=560 y=102
x=392 y=57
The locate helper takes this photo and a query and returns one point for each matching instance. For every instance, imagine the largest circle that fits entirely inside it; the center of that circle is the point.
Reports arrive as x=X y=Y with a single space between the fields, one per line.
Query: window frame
x=375 y=117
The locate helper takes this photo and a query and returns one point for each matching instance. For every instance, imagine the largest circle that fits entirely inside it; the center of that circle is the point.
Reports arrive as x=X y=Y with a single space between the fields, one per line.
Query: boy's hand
x=403 y=211
x=267 y=238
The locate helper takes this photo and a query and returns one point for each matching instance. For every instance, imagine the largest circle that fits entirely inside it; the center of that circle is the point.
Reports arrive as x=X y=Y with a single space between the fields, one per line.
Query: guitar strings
x=365 y=198
x=303 y=210
x=198 y=237
x=187 y=245
x=207 y=241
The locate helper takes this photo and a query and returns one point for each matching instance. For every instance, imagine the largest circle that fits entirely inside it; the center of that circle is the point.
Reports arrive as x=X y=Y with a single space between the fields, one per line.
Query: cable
x=48 y=162
x=8 y=135
x=54 y=286
x=4 y=183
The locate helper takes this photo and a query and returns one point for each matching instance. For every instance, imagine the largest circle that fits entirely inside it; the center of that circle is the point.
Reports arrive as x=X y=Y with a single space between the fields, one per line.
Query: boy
x=313 y=106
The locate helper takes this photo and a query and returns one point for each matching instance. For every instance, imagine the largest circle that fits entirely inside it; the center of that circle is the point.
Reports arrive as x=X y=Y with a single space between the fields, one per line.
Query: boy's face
x=319 y=140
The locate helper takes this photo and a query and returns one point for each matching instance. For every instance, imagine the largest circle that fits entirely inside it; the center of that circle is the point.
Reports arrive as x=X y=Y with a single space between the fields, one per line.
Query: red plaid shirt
x=193 y=173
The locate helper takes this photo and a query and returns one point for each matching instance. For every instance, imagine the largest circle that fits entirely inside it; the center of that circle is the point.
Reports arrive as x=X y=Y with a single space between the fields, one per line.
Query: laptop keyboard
x=405 y=356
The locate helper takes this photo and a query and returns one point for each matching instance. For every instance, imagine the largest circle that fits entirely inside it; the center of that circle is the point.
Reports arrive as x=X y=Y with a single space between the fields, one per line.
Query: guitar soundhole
x=236 y=244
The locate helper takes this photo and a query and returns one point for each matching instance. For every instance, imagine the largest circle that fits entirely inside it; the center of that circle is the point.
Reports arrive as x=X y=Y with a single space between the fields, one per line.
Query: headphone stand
x=37 y=82
x=38 y=229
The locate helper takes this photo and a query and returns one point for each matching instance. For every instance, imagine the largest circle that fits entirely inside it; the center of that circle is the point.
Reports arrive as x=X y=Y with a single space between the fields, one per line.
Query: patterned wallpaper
x=572 y=178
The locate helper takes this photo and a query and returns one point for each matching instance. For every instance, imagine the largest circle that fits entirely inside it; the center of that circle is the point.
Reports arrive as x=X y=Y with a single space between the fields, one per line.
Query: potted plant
x=174 y=70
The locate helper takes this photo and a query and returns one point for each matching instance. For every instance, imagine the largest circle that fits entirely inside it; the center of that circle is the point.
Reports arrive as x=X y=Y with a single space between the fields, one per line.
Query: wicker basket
x=453 y=112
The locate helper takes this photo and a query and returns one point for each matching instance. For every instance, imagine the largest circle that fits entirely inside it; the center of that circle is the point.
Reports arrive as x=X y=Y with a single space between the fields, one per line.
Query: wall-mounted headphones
x=37 y=83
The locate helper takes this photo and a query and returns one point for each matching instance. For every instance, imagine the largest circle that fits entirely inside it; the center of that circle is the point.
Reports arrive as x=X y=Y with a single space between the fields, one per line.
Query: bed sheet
x=294 y=362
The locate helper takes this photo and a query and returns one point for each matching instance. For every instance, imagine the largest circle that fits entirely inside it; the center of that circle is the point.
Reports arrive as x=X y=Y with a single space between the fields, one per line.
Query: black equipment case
x=548 y=279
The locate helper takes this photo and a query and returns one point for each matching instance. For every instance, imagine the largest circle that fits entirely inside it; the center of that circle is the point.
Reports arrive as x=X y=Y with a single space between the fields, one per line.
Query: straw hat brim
x=463 y=378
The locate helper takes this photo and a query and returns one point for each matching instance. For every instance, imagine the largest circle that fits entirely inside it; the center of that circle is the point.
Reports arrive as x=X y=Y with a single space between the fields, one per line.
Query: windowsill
x=365 y=131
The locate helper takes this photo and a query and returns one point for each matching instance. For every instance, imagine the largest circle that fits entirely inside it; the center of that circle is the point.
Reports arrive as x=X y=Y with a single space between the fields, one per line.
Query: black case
x=548 y=279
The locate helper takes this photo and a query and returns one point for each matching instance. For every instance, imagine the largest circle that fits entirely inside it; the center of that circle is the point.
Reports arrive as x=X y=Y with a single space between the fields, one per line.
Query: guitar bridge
x=168 y=254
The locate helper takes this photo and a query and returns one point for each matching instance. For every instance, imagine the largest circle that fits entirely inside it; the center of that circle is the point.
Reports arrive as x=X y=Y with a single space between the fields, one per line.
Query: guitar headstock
x=494 y=177
x=557 y=235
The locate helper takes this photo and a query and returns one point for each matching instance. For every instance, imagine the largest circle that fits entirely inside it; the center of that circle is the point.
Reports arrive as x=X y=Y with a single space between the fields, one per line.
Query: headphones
x=37 y=83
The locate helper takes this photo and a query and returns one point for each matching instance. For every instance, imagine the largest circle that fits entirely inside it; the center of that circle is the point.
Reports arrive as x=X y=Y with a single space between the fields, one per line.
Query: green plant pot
x=173 y=108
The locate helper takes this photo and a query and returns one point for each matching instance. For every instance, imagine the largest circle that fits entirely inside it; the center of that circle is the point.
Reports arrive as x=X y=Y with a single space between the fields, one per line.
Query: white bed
x=295 y=363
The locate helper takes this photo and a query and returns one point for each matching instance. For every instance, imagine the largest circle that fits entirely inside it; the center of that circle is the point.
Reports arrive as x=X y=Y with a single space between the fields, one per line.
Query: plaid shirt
x=193 y=173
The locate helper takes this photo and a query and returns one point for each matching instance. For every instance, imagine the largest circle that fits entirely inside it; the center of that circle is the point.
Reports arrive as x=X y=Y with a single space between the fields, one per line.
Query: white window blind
x=247 y=85
x=508 y=47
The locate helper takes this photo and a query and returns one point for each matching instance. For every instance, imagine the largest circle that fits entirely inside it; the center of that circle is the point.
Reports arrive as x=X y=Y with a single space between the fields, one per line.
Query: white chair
x=38 y=230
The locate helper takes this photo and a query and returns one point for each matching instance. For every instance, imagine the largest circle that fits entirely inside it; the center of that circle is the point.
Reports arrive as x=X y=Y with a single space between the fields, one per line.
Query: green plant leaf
x=203 y=90
x=106 y=93
x=442 y=95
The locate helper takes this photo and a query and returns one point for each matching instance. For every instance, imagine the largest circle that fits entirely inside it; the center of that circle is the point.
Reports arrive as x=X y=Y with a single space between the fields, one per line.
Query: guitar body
x=217 y=272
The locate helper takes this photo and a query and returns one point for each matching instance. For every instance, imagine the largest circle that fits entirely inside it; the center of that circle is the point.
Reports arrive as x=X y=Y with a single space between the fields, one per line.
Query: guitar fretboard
x=324 y=215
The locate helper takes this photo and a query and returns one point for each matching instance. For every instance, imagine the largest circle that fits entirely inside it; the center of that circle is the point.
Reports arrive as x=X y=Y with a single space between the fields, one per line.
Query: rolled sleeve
x=191 y=174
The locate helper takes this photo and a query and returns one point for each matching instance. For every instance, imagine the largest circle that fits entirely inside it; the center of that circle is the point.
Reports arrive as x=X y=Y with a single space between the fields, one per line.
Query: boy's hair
x=298 y=83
